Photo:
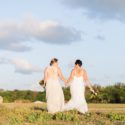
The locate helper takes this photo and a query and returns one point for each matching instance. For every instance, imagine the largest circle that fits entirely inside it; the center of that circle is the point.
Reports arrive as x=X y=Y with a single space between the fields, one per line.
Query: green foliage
x=107 y=94
x=14 y=120
x=67 y=93
x=32 y=117
x=118 y=117
x=26 y=114
x=11 y=96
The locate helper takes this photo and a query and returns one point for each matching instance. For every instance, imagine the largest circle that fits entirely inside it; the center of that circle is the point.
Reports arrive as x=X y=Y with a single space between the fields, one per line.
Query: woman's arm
x=87 y=81
x=61 y=75
x=71 y=77
x=45 y=76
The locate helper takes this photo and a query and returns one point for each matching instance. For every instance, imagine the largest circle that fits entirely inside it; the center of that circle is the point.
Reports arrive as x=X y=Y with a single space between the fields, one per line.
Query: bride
x=54 y=92
x=78 y=79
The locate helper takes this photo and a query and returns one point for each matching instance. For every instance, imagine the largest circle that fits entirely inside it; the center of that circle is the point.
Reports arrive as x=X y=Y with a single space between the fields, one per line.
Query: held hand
x=66 y=82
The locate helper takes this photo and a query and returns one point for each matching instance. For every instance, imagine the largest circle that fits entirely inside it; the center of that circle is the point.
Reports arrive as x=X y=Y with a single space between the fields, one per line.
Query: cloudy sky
x=33 y=32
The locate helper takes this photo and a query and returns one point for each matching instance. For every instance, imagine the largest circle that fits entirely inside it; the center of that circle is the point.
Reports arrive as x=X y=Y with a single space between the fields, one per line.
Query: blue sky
x=33 y=32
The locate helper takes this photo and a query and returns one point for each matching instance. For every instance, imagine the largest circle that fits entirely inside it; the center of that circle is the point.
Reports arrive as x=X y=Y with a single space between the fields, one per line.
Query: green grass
x=36 y=114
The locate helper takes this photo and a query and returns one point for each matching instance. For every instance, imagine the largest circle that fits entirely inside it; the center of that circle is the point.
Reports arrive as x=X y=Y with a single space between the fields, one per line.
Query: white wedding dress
x=54 y=92
x=77 y=101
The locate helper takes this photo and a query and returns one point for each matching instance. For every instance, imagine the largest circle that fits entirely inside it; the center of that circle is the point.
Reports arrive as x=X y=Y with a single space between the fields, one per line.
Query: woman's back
x=77 y=90
x=52 y=73
x=78 y=73
x=54 y=93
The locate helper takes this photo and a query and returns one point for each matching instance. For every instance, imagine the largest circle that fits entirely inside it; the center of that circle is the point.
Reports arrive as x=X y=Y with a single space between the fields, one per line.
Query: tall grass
x=32 y=114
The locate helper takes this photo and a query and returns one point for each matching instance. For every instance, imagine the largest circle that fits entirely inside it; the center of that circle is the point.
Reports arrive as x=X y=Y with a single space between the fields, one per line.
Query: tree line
x=106 y=94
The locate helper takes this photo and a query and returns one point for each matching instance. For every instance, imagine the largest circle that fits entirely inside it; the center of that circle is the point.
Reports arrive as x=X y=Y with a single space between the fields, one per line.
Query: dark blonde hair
x=54 y=60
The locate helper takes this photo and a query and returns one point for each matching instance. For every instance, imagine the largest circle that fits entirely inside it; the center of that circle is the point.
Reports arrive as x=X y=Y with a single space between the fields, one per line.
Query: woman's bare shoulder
x=59 y=69
x=46 y=69
x=83 y=71
x=73 y=71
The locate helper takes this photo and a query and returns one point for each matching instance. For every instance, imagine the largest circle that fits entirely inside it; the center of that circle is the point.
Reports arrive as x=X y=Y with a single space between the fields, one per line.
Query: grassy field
x=36 y=114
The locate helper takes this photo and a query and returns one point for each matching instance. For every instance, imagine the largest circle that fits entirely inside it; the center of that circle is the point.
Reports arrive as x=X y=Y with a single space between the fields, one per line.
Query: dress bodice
x=78 y=78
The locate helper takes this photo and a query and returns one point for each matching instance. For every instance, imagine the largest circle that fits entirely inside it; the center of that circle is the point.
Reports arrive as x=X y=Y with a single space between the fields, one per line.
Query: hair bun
x=54 y=60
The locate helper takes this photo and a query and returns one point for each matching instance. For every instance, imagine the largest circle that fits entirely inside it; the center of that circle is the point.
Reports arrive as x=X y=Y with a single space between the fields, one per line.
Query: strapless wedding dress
x=77 y=101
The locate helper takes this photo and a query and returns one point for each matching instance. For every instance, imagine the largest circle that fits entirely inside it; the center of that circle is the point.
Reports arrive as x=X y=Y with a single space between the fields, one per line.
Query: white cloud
x=3 y=60
x=100 y=37
x=15 y=36
x=108 y=9
x=21 y=66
